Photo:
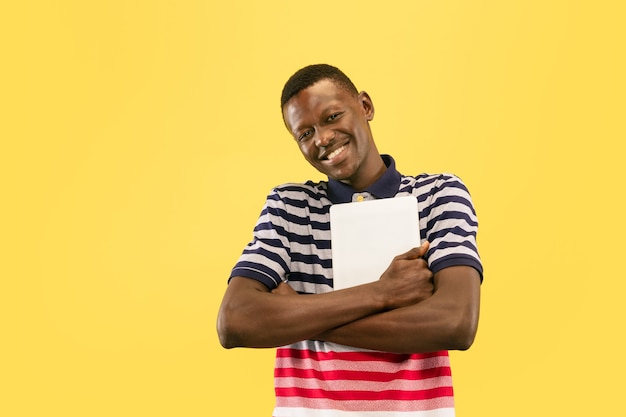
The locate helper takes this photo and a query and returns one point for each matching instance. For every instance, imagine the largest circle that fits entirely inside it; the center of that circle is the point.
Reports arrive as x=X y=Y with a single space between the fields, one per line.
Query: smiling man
x=374 y=349
x=331 y=125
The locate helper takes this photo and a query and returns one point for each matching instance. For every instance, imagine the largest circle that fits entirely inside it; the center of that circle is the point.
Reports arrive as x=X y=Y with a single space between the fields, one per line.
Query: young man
x=379 y=347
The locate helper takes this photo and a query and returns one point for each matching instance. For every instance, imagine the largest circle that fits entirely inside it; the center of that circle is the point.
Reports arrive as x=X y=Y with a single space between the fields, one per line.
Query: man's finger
x=416 y=253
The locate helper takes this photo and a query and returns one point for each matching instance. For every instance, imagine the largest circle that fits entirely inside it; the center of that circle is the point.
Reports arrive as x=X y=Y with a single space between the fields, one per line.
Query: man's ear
x=367 y=105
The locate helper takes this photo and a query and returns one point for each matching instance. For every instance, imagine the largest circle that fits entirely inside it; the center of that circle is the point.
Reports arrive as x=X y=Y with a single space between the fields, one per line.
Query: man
x=379 y=347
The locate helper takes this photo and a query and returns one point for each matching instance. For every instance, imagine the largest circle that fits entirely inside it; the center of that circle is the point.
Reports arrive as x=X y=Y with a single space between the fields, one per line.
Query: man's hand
x=407 y=280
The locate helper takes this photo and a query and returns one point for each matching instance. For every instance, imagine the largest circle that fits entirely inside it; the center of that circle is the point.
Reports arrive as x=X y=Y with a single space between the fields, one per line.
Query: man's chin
x=341 y=173
x=341 y=177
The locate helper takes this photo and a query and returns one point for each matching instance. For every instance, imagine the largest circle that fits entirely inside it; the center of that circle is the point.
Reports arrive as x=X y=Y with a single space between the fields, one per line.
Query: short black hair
x=309 y=75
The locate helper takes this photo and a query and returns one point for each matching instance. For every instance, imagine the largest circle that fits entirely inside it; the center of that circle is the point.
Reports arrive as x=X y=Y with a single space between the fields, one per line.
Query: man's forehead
x=321 y=92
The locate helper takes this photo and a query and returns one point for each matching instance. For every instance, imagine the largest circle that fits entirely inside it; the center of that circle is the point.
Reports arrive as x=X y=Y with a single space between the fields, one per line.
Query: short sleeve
x=266 y=258
x=451 y=225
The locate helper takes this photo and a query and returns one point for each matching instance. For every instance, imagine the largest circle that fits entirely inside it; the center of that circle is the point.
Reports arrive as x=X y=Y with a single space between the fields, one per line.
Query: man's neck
x=375 y=169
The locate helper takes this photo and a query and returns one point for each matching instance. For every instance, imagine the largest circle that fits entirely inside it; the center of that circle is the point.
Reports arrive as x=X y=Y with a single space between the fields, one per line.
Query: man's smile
x=336 y=152
x=329 y=156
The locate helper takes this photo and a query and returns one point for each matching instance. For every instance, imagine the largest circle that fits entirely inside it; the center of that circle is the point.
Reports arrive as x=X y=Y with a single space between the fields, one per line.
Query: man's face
x=331 y=127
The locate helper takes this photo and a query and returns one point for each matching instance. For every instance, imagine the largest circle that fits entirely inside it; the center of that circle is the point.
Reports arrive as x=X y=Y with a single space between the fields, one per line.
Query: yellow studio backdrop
x=139 y=139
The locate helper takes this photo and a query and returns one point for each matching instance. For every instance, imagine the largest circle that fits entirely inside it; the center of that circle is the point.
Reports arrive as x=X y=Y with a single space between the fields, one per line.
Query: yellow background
x=139 y=139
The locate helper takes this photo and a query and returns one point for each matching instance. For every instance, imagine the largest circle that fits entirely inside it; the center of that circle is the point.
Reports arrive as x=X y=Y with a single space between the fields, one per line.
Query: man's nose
x=324 y=137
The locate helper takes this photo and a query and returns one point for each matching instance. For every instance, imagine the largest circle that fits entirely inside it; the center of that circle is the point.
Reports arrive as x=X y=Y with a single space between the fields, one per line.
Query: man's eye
x=304 y=135
x=333 y=117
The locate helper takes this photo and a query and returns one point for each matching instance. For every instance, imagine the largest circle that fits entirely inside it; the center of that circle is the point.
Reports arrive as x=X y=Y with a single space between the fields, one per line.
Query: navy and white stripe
x=292 y=236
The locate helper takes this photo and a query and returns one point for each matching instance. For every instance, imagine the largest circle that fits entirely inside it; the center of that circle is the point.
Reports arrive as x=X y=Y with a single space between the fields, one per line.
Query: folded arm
x=252 y=316
x=446 y=321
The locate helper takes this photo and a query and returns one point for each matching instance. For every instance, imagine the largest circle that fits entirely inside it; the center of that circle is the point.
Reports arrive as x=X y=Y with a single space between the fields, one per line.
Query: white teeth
x=335 y=152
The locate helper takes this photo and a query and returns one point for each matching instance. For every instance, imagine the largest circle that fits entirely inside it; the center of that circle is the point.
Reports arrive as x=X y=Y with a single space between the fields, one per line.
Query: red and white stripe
x=325 y=379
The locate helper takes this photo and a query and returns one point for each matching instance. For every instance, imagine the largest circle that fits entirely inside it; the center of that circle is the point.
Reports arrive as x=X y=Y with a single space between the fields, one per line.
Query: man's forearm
x=446 y=321
x=414 y=329
x=252 y=316
x=258 y=318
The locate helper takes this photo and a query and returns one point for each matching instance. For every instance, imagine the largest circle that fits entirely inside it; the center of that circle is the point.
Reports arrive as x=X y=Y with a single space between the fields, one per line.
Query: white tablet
x=367 y=235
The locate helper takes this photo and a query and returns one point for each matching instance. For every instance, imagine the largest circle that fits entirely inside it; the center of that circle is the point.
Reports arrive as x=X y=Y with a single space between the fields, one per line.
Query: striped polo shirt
x=292 y=241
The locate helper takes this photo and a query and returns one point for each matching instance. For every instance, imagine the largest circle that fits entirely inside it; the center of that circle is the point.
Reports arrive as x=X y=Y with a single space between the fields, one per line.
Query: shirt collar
x=386 y=187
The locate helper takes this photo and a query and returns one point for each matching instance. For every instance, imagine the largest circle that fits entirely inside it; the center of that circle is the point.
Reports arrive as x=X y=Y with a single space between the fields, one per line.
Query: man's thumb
x=418 y=252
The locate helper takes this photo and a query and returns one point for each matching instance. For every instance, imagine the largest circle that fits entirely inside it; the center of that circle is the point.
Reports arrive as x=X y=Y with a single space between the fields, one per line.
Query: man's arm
x=446 y=321
x=252 y=316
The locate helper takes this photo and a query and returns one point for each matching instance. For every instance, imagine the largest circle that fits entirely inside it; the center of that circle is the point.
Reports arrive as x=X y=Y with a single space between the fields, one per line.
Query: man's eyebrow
x=298 y=129
x=331 y=108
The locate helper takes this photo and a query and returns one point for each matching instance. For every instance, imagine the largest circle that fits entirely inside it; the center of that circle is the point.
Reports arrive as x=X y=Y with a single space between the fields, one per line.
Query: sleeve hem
x=268 y=281
x=458 y=260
